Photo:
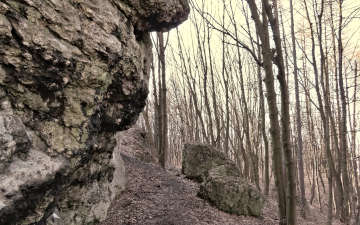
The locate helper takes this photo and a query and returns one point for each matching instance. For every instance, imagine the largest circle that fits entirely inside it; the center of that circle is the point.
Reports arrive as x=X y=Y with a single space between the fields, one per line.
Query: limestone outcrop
x=72 y=73
x=221 y=181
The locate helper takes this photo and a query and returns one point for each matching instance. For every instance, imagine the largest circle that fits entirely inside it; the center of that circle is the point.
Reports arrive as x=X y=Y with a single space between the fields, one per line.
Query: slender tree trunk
x=343 y=142
x=263 y=132
x=156 y=112
x=285 y=112
x=324 y=112
x=164 y=154
x=355 y=158
x=225 y=76
x=262 y=31
x=246 y=122
x=204 y=68
x=298 y=119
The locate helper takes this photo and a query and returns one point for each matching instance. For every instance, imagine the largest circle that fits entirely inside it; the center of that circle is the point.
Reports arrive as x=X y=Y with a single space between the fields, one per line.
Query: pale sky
x=351 y=33
x=214 y=7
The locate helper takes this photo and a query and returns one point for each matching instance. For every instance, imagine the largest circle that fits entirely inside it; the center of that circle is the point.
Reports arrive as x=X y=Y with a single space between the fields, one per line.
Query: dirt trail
x=157 y=197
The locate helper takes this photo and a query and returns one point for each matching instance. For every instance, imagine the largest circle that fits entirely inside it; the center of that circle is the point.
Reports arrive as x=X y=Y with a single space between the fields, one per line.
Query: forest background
x=274 y=85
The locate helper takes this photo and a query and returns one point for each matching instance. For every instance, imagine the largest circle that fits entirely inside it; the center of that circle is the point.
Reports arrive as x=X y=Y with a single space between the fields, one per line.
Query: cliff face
x=72 y=73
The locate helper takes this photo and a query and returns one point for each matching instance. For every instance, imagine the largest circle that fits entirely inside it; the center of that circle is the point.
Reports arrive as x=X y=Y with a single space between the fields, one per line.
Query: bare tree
x=163 y=127
x=298 y=116
x=262 y=31
x=343 y=127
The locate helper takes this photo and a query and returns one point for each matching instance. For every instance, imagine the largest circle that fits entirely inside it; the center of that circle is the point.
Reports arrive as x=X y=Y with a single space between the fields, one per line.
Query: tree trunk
x=285 y=114
x=262 y=31
x=345 y=217
x=164 y=154
x=304 y=208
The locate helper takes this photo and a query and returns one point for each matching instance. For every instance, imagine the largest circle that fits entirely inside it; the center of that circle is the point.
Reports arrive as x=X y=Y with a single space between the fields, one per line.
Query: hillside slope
x=154 y=196
x=157 y=197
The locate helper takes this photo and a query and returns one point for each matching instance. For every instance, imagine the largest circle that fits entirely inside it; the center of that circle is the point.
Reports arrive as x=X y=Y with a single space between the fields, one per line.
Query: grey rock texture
x=198 y=159
x=72 y=73
x=221 y=181
x=231 y=194
x=14 y=141
x=134 y=143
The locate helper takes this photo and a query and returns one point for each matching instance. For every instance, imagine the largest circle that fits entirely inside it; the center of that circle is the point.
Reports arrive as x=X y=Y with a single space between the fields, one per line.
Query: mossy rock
x=222 y=184
x=198 y=159
x=231 y=194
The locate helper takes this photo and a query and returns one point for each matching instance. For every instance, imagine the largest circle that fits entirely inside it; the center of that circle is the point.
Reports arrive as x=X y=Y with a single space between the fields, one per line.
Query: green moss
x=73 y=116
x=80 y=104
x=95 y=75
x=58 y=138
x=34 y=101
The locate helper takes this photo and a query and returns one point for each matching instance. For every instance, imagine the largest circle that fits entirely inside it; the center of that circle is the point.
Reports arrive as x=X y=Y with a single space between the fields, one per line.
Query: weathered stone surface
x=231 y=194
x=72 y=73
x=14 y=140
x=198 y=159
x=150 y=14
x=222 y=184
x=134 y=142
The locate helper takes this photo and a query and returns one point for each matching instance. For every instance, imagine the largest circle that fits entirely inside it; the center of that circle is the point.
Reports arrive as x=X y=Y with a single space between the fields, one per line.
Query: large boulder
x=231 y=194
x=72 y=73
x=198 y=159
x=221 y=182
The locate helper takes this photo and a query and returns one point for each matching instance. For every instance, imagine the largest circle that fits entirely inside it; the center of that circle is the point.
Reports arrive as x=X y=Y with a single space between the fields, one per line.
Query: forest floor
x=155 y=196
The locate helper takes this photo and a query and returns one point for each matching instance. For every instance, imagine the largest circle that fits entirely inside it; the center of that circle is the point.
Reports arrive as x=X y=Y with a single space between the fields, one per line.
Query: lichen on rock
x=221 y=181
x=199 y=159
x=232 y=194
x=72 y=73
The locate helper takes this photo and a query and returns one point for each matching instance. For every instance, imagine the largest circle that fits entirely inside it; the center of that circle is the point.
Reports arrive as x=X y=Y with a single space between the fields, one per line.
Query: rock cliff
x=72 y=73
